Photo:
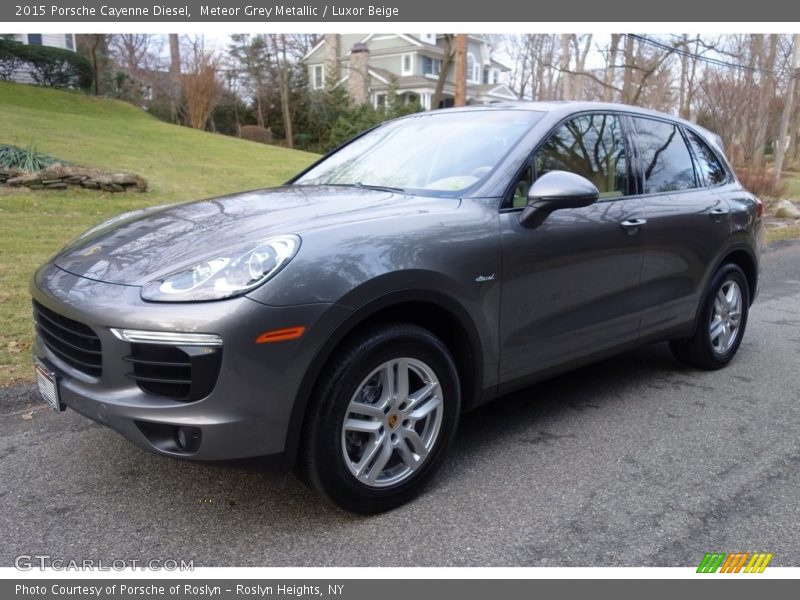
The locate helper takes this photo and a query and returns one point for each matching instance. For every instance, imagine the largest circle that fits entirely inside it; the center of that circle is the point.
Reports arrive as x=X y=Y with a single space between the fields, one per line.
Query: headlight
x=225 y=275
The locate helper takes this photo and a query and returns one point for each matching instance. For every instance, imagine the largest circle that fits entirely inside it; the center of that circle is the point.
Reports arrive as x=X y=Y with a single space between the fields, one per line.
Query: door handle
x=633 y=225
x=718 y=213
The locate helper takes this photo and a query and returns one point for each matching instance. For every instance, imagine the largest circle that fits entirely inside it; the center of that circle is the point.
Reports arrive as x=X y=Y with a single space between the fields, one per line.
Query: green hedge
x=52 y=67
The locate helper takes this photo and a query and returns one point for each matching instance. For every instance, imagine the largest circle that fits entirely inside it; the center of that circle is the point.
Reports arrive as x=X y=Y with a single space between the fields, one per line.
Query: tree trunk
x=794 y=147
x=446 y=60
x=788 y=107
x=627 y=74
x=566 y=76
x=461 y=70
x=684 y=60
x=95 y=67
x=690 y=82
x=764 y=98
x=580 y=63
x=174 y=76
x=610 y=75
x=285 y=104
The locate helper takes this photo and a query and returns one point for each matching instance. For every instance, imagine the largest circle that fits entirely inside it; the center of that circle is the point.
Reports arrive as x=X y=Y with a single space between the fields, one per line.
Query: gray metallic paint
x=531 y=301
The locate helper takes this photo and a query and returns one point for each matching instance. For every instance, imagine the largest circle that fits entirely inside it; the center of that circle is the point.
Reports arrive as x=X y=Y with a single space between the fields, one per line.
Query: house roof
x=498 y=65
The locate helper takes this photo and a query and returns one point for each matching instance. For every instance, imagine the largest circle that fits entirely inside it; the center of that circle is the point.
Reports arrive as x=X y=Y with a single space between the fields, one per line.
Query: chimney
x=358 y=77
x=332 y=50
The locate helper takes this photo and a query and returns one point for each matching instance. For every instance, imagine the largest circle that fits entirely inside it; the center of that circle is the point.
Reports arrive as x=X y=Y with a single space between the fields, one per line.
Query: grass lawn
x=179 y=164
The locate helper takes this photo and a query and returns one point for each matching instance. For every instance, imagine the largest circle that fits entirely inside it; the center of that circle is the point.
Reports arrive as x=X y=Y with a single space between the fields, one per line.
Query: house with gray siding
x=372 y=65
x=56 y=40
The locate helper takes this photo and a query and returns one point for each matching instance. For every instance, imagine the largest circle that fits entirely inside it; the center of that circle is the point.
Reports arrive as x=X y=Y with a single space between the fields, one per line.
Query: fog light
x=187 y=438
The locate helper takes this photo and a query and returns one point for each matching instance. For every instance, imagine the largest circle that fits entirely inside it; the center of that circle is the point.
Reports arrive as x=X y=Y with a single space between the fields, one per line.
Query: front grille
x=181 y=372
x=73 y=342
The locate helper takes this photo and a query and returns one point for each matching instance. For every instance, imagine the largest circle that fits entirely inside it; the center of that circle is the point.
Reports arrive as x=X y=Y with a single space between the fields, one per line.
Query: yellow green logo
x=737 y=562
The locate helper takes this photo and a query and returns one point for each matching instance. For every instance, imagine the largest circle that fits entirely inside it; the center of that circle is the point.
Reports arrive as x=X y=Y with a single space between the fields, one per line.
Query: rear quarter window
x=710 y=169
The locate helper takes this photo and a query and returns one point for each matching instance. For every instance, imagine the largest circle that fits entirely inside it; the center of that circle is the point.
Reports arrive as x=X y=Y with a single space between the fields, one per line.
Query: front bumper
x=249 y=409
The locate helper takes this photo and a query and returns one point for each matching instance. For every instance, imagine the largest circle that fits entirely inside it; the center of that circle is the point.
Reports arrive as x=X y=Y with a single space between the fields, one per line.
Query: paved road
x=636 y=461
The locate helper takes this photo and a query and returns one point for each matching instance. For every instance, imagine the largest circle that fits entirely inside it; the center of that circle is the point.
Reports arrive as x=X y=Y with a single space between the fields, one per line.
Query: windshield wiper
x=382 y=188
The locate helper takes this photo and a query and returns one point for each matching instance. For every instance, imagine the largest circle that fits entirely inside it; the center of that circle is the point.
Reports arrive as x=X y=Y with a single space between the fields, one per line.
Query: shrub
x=53 y=67
x=758 y=180
x=24 y=159
x=256 y=133
x=356 y=119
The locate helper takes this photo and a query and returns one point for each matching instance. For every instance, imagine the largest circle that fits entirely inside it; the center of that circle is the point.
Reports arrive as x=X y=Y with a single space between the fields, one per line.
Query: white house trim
x=380 y=78
x=502 y=91
x=403 y=36
x=318 y=45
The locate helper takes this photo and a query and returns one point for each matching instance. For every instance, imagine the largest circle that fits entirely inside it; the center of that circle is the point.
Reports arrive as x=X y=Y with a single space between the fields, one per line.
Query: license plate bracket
x=47 y=381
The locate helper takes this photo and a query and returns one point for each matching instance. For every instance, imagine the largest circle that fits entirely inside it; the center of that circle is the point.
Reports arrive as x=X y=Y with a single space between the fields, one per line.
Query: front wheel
x=722 y=322
x=381 y=417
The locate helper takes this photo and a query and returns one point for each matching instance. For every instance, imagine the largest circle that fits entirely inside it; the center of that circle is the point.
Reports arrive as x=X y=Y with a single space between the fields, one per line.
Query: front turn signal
x=280 y=335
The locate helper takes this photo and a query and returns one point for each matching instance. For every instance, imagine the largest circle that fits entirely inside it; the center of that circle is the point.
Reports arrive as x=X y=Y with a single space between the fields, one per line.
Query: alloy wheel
x=392 y=422
x=726 y=316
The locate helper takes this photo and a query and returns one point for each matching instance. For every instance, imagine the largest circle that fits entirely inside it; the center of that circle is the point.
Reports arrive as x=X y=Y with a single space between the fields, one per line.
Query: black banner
x=405 y=11
x=386 y=589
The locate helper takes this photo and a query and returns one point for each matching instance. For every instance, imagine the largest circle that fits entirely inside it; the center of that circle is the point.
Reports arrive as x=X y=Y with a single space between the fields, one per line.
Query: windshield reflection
x=442 y=152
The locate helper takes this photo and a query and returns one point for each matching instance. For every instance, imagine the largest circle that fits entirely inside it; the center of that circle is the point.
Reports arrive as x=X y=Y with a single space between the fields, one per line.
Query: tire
x=705 y=350
x=364 y=447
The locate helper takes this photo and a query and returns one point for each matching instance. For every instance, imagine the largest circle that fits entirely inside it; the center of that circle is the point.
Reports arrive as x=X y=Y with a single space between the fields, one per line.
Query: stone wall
x=60 y=177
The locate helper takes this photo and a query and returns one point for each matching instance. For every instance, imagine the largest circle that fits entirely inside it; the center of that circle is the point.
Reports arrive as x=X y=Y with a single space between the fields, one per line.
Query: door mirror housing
x=556 y=190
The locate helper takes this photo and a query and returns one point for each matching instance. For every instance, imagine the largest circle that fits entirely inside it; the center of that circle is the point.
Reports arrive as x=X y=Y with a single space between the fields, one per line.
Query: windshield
x=439 y=152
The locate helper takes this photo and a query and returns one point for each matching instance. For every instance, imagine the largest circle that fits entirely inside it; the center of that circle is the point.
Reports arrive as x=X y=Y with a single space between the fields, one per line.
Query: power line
x=706 y=59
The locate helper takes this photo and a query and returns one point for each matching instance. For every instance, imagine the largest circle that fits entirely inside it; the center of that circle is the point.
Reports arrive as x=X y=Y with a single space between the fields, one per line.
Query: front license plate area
x=48 y=385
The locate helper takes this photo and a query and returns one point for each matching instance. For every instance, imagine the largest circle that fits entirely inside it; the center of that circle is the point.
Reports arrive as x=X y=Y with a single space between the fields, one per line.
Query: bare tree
x=788 y=107
x=447 y=58
x=200 y=85
x=580 y=61
x=95 y=46
x=282 y=65
x=135 y=52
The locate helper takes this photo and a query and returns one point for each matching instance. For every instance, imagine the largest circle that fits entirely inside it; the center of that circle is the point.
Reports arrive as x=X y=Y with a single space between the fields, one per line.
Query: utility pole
x=787 y=113
x=461 y=70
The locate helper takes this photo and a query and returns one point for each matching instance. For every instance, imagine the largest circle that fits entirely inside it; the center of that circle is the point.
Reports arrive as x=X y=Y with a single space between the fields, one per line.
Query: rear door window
x=664 y=157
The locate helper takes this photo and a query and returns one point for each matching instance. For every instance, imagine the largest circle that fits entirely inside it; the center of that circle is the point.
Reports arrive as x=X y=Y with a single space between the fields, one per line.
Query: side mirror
x=556 y=190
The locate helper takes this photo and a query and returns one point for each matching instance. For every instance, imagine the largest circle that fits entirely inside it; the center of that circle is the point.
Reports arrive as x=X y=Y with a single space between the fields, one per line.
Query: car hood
x=139 y=247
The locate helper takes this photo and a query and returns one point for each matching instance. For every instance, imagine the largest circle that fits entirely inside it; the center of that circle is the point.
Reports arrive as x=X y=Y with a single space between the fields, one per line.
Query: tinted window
x=710 y=168
x=592 y=146
x=666 y=162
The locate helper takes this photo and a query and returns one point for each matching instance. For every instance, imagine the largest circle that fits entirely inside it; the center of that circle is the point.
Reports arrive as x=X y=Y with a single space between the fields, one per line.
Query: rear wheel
x=381 y=417
x=723 y=319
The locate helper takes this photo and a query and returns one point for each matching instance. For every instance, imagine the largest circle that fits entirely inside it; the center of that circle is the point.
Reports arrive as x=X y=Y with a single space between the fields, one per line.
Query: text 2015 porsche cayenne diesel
x=342 y=322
